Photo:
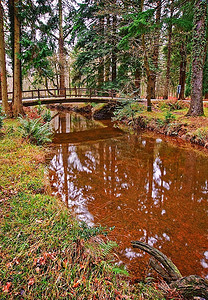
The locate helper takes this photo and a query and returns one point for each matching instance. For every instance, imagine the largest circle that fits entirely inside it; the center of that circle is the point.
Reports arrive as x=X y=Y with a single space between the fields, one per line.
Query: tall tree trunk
x=151 y=73
x=138 y=71
x=198 y=56
x=156 y=48
x=107 y=58
x=11 y=28
x=61 y=51
x=114 y=50
x=170 y=32
x=0 y=86
x=101 y=59
x=150 y=78
x=138 y=74
x=17 y=90
x=3 y=78
x=182 y=78
x=107 y=69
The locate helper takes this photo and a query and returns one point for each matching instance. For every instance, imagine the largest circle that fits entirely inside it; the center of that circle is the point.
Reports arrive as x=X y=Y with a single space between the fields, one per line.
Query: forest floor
x=44 y=252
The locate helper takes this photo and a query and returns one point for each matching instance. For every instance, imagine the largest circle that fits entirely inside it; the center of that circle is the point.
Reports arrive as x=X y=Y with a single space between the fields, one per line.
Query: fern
x=35 y=131
x=107 y=248
x=118 y=270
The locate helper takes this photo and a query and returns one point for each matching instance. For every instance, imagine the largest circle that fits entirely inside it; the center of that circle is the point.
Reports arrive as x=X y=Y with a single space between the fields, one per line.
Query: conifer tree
x=3 y=75
x=17 y=106
x=198 y=57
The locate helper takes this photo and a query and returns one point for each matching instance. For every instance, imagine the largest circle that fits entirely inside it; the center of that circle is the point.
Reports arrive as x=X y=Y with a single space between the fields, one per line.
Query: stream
x=145 y=187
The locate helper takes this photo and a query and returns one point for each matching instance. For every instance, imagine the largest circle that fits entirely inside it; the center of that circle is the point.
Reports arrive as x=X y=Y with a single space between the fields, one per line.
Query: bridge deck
x=63 y=100
x=82 y=99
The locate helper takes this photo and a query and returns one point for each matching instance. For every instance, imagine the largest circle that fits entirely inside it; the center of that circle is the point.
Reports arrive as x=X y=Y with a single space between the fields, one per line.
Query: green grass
x=44 y=252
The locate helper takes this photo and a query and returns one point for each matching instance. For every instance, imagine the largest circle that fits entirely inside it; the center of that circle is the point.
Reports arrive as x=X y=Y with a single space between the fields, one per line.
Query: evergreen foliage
x=138 y=47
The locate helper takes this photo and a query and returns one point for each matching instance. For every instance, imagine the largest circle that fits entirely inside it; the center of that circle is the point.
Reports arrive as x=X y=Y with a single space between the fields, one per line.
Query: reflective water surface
x=148 y=189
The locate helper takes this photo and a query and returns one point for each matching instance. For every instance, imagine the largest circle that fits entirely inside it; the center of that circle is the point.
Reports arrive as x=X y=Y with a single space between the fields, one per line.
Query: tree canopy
x=144 y=48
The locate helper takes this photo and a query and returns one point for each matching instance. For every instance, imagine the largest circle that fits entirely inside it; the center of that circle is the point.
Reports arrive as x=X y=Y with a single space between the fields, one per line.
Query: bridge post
x=90 y=93
x=65 y=92
x=38 y=94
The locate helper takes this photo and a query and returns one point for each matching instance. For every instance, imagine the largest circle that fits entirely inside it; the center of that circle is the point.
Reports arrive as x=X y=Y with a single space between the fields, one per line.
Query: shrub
x=35 y=131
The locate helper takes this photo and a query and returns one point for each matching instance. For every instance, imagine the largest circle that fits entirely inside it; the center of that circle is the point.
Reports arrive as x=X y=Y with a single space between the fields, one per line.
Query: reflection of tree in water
x=72 y=122
x=147 y=189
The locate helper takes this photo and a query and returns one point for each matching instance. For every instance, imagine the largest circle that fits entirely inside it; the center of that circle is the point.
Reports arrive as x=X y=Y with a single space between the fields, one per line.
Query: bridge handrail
x=65 y=92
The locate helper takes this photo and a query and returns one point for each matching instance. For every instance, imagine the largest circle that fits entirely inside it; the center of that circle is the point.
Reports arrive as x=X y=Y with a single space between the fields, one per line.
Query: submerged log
x=189 y=287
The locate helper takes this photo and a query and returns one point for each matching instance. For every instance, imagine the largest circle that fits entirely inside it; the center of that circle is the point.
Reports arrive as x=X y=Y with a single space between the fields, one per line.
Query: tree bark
x=137 y=80
x=156 y=50
x=198 y=55
x=114 y=50
x=182 y=78
x=101 y=59
x=107 y=58
x=3 y=76
x=17 y=90
x=170 y=32
x=61 y=52
x=0 y=87
x=150 y=81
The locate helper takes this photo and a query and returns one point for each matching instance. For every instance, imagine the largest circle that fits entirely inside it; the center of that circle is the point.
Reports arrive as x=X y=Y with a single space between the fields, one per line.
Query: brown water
x=148 y=189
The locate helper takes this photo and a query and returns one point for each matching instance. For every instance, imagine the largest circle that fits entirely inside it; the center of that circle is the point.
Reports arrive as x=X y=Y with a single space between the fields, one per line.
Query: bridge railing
x=64 y=93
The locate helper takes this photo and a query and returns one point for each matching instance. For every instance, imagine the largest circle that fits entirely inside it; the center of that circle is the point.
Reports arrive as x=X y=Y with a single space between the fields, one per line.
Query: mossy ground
x=169 y=118
x=44 y=252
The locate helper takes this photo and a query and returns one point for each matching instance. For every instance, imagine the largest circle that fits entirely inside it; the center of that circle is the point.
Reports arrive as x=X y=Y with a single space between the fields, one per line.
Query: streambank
x=167 y=118
x=45 y=253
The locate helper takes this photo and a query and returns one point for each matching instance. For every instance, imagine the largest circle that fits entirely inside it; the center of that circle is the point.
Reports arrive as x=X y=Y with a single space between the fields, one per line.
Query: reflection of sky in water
x=148 y=190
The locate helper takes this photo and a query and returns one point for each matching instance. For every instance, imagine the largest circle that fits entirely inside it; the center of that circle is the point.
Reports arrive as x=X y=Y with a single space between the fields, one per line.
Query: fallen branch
x=189 y=287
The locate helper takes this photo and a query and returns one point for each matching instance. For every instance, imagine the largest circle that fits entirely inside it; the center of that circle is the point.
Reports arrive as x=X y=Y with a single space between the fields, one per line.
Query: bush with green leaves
x=35 y=131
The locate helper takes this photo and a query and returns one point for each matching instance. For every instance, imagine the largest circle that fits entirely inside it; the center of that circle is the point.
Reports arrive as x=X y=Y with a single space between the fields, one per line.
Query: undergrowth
x=44 y=252
x=35 y=131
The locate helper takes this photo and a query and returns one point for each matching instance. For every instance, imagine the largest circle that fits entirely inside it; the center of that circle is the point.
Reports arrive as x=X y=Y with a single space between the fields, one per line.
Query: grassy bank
x=169 y=118
x=44 y=252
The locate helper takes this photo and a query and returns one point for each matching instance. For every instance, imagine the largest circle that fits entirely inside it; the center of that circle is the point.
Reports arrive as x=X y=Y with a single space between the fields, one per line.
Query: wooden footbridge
x=67 y=95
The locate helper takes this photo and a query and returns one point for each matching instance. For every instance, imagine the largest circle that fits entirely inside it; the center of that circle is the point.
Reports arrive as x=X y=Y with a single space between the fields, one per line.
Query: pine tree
x=3 y=75
x=17 y=106
x=198 y=57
